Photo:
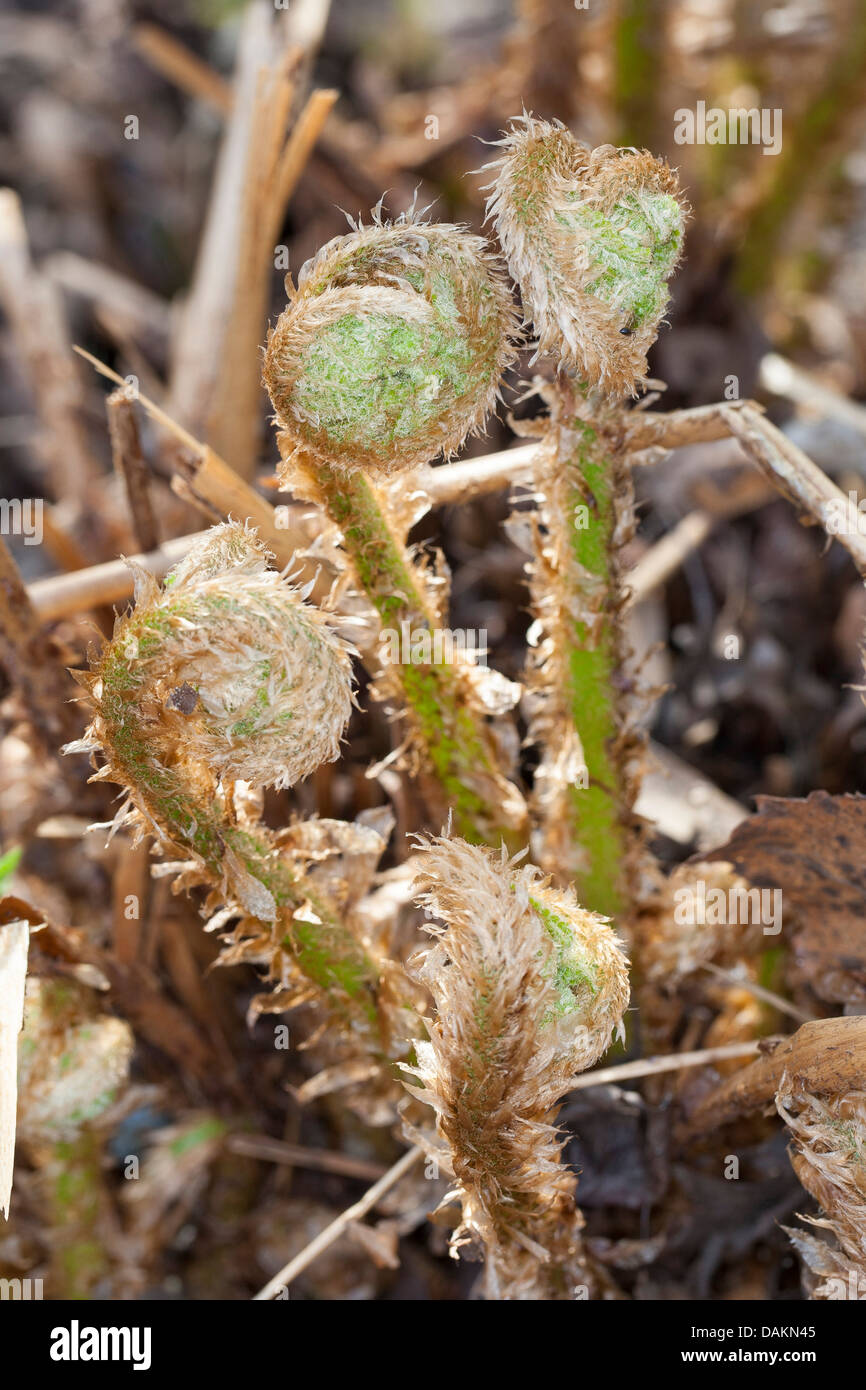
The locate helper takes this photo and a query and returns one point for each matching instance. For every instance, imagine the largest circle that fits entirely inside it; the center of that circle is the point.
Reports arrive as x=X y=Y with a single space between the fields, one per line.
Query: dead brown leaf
x=814 y=850
x=825 y=1057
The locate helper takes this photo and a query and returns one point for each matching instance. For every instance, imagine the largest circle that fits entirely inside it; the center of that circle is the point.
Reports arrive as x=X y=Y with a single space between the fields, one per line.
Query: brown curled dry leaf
x=814 y=850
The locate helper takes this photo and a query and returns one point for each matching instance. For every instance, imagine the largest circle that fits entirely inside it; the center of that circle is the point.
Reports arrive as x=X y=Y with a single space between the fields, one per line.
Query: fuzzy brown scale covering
x=427 y=568
x=337 y=860
x=338 y=1060
x=674 y=952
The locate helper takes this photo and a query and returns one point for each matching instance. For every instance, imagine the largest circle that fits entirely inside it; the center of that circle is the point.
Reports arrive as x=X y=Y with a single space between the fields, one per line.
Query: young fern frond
x=73 y=1061
x=529 y=990
x=828 y=1155
x=591 y=236
x=391 y=352
x=225 y=674
x=393 y=347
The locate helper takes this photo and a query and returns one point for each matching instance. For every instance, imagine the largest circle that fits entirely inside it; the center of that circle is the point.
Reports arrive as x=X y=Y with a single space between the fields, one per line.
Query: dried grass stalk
x=14 y=942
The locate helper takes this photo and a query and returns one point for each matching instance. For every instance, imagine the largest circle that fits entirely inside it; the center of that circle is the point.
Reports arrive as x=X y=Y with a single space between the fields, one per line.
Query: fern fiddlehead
x=529 y=990
x=73 y=1062
x=391 y=352
x=828 y=1154
x=592 y=237
x=225 y=674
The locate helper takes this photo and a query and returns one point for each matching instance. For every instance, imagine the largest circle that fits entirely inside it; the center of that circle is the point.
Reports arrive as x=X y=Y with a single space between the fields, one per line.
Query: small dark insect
x=183 y=698
x=626 y=332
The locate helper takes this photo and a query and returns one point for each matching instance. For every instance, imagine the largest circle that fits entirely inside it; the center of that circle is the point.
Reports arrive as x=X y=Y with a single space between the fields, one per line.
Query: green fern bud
x=592 y=238
x=225 y=669
x=72 y=1060
x=393 y=347
x=225 y=675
